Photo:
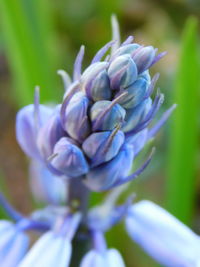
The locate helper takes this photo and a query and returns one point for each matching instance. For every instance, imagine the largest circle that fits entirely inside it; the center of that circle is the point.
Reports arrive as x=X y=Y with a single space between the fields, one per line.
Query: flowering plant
x=87 y=144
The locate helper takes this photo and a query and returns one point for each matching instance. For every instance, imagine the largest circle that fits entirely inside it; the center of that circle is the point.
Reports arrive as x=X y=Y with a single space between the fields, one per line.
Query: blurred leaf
x=27 y=34
x=3 y=188
x=183 y=142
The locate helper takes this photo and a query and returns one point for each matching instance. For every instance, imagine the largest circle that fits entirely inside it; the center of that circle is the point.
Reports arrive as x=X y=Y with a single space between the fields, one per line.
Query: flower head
x=104 y=111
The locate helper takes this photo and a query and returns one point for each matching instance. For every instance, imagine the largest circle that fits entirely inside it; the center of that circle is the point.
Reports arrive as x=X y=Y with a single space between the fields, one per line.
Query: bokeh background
x=37 y=37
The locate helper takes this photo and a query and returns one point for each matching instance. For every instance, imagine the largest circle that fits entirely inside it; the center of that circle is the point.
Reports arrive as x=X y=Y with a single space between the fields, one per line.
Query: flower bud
x=136 y=93
x=69 y=158
x=136 y=114
x=112 y=115
x=26 y=128
x=95 y=82
x=122 y=72
x=145 y=75
x=102 y=147
x=105 y=175
x=49 y=134
x=76 y=120
x=144 y=58
x=126 y=49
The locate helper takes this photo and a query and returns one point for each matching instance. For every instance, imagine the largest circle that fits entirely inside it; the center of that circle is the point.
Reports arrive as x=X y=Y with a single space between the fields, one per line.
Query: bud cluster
x=102 y=122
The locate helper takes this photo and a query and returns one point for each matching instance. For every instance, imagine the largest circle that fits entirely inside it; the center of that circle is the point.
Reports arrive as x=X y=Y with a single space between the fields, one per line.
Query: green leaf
x=26 y=31
x=184 y=129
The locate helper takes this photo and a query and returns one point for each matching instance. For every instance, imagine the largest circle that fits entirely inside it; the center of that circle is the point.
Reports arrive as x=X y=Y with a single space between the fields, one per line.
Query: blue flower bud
x=69 y=158
x=102 y=147
x=95 y=82
x=122 y=72
x=105 y=175
x=49 y=134
x=136 y=93
x=126 y=49
x=145 y=75
x=137 y=114
x=76 y=119
x=144 y=57
x=26 y=128
x=112 y=115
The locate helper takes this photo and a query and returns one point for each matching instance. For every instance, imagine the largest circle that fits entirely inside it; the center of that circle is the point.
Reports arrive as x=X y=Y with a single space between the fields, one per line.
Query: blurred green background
x=37 y=37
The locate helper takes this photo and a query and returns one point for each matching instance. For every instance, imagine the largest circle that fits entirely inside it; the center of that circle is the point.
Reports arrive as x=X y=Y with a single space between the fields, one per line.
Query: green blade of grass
x=184 y=129
x=26 y=37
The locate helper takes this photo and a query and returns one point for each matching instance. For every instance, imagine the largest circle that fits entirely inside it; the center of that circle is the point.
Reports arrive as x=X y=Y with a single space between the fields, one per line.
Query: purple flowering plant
x=86 y=144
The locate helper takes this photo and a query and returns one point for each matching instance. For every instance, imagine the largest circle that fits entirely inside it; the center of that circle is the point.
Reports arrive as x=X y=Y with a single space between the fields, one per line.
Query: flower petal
x=50 y=250
x=162 y=236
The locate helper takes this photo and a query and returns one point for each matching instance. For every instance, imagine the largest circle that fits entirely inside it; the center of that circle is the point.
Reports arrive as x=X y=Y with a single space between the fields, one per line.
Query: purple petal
x=26 y=129
x=102 y=52
x=128 y=41
x=135 y=174
x=153 y=131
x=78 y=64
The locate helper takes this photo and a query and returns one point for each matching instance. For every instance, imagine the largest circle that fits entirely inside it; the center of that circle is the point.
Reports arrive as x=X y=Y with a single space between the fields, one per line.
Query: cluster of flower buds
x=103 y=121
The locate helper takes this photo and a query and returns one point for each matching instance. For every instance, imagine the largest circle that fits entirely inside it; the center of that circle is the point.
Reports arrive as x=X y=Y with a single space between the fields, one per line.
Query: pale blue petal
x=93 y=259
x=26 y=130
x=45 y=186
x=162 y=236
x=110 y=258
x=13 y=244
x=50 y=250
x=114 y=258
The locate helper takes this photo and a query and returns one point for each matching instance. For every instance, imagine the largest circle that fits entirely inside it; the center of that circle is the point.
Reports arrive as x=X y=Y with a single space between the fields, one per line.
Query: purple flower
x=162 y=236
x=100 y=124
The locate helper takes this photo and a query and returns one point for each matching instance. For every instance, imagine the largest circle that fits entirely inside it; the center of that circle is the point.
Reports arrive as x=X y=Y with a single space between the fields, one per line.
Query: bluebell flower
x=13 y=244
x=54 y=247
x=100 y=256
x=110 y=258
x=104 y=108
x=162 y=236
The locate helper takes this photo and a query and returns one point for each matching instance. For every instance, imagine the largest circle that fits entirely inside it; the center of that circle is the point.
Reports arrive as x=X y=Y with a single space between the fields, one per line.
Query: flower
x=162 y=236
x=104 y=110
x=13 y=244
x=54 y=247
x=100 y=256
